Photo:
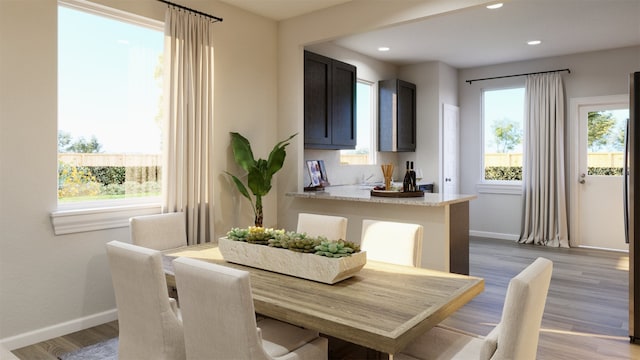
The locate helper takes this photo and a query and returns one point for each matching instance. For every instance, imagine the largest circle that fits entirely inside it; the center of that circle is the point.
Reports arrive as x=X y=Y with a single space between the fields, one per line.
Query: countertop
x=363 y=194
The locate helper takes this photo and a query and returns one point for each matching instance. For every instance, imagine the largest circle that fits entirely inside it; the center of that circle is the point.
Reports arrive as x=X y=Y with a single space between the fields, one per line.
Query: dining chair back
x=149 y=322
x=392 y=242
x=331 y=227
x=515 y=336
x=160 y=231
x=220 y=323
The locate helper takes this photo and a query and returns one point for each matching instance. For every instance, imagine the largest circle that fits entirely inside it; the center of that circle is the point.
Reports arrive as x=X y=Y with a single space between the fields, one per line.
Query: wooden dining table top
x=383 y=307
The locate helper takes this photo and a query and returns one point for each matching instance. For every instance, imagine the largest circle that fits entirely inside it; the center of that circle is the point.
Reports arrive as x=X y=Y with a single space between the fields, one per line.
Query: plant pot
x=303 y=265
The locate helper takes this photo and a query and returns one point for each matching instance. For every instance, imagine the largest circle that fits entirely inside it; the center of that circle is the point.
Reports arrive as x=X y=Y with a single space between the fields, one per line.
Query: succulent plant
x=294 y=241
x=260 y=235
x=238 y=234
x=338 y=248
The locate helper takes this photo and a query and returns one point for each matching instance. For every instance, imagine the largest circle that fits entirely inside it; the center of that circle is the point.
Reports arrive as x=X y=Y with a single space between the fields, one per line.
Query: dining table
x=383 y=307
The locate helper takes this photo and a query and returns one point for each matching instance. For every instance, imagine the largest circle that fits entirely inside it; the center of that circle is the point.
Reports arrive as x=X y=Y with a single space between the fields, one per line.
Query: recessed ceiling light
x=384 y=48
x=534 y=42
x=494 y=6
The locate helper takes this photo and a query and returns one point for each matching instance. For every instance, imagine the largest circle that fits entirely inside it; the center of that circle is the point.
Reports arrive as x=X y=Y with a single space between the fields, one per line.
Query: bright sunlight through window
x=503 y=116
x=362 y=154
x=109 y=96
x=605 y=142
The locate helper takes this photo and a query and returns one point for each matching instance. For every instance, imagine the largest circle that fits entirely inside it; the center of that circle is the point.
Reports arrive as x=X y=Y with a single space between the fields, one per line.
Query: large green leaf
x=277 y=156
x=240 y=186
x=242 y=151
x=259 y=178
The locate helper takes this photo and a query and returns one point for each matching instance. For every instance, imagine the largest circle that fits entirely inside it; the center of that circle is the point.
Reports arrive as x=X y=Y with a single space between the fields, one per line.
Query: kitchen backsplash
x=354 y=174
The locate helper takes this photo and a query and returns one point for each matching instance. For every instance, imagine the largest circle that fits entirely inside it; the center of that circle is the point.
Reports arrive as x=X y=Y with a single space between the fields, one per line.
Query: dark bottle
x=414 y=187
x=406 y=183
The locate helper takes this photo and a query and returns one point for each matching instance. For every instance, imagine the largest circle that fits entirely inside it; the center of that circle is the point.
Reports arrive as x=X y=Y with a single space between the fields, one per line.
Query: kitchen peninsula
x=445 y=219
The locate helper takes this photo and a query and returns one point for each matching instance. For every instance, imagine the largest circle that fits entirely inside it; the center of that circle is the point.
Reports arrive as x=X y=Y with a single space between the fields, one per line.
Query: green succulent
x=238 y=234
x=260 y=235
x=335 y=249
x=295 y=241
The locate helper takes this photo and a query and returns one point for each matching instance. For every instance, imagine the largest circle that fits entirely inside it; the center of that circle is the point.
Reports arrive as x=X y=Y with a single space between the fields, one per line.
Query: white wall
x=592 y=74
x=51 y=285
x=436 y=84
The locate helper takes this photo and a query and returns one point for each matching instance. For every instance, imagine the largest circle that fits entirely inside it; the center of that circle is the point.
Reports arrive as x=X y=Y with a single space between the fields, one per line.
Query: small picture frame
x=323 y=171
x=315 y=173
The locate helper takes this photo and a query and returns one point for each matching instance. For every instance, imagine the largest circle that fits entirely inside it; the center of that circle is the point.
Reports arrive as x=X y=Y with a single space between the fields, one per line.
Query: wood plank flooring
x=586 y=315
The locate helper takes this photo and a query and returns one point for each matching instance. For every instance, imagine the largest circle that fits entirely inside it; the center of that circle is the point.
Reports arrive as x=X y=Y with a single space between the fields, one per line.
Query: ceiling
x=478 y=36
x=283 y=9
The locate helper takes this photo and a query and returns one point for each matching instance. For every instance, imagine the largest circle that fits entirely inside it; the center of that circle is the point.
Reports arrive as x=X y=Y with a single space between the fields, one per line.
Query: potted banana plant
x=259 y=172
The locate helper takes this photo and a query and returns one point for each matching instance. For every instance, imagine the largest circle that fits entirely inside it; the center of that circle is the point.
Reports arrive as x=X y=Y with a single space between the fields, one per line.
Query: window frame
x=107 y=214
x=510 y=187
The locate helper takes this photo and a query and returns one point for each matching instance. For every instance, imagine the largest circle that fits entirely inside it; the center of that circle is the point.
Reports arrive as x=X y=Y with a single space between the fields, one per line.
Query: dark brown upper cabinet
x=396 y=115
x=329 y=103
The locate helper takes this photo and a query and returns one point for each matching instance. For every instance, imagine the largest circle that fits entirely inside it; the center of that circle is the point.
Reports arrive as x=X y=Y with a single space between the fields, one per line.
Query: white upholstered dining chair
x=149 y=322
x=515 y=337
x=331 y=227
x=219 y=318
x=392 y=242
x=160 y=231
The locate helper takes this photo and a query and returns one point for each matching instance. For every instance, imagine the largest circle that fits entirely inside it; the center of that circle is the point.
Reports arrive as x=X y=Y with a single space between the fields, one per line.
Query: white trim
x=493 y=235
x=91 y=219
x=54 y=331
x=500 y=188
x=105 y=11
x=602 y=248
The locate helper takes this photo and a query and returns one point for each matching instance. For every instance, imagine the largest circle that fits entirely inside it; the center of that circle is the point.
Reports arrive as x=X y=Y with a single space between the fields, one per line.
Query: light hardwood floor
x=586 y=315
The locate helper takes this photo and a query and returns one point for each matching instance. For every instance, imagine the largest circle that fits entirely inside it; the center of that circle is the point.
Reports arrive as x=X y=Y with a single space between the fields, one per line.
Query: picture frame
x=317 y=173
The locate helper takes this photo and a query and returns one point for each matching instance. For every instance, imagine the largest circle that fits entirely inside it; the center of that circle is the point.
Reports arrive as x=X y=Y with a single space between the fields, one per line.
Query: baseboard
x=603 y=248
x=493 y=235
x=54 y=331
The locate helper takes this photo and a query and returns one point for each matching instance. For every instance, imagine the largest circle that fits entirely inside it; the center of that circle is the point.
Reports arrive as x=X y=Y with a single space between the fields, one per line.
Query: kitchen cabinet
x=329 y=103
x=396 y=115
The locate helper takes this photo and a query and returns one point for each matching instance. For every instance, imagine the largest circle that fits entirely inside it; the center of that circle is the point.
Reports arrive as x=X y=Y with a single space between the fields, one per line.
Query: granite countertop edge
x=363 y=194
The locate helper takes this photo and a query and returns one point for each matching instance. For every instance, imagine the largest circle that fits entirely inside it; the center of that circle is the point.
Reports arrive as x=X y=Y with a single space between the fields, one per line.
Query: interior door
x=450 y=150
x=599 y=182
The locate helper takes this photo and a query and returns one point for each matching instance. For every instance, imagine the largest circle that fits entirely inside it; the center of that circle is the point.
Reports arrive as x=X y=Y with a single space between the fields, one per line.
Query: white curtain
x=545 y=212
x=188 y=119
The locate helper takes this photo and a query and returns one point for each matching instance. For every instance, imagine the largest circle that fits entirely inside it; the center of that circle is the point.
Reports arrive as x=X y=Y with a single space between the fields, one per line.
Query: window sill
x=69 y=221
x=500 y=188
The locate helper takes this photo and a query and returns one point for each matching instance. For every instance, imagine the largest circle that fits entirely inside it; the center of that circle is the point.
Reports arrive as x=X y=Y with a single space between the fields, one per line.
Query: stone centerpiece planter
x=303 y=265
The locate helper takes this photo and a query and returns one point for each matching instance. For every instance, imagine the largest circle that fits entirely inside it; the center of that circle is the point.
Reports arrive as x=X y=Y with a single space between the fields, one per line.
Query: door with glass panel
x=599 y=183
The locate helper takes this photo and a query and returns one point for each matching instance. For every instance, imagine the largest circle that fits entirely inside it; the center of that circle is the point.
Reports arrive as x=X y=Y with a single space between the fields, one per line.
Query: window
x=363 y=153
x=605 y=141
x=503 y=118
x=109 y=101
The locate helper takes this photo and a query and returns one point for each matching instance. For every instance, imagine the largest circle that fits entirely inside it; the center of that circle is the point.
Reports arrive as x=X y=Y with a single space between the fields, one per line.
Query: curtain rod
x=507 y=76
x=214 y=18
